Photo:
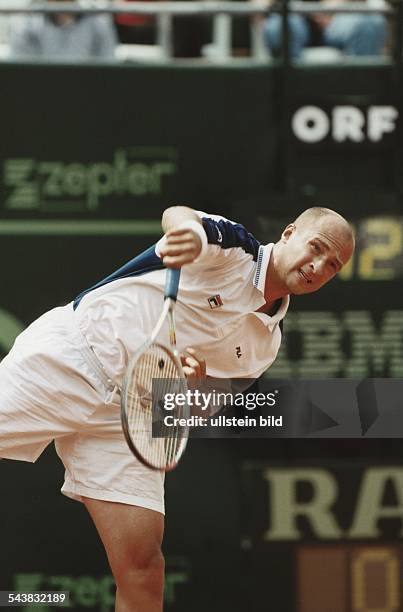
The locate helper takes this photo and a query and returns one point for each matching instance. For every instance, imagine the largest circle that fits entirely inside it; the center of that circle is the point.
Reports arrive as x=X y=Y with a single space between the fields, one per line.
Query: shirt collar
x=263 y=258
x=259 y=281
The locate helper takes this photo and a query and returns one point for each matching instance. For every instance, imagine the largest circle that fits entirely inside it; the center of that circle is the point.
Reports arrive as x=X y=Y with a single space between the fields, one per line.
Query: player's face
x=313 y=254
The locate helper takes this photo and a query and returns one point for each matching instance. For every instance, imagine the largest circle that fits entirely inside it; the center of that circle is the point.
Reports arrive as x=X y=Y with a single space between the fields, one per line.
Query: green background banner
x=99 y=142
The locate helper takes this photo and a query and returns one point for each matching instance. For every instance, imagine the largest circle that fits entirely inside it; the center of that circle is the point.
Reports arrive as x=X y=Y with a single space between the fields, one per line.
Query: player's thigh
x=47 y=388
x=132 y=535
x=28 y=422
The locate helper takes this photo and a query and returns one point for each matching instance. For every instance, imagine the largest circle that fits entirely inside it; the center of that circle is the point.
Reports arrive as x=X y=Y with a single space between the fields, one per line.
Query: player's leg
x=40 y=381
x=126 y=502
x=132 y=537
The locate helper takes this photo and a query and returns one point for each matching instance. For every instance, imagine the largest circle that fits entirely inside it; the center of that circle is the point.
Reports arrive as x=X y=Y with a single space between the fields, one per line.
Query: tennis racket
x=153 y=372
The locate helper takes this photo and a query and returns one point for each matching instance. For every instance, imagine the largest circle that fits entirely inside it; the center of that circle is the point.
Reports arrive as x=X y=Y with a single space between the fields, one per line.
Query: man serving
x=61 y=380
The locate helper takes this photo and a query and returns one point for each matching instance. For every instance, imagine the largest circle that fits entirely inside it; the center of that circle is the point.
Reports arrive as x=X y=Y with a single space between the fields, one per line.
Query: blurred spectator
x=353 y=34
x=189 y=33
x=62 y=36
x=137 y=29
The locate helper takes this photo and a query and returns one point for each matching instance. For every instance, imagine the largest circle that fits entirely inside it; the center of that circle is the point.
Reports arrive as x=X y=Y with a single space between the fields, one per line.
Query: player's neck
x=270 y=308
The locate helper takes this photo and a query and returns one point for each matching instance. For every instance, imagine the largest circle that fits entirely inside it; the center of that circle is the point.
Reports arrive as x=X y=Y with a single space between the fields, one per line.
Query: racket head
x=152 y=372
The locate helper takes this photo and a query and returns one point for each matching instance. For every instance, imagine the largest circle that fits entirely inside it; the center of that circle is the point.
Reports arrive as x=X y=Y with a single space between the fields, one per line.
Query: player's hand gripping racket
x=153 y=372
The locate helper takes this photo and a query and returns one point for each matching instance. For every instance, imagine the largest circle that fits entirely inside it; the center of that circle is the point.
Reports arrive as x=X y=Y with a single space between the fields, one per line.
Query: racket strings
x=154 y=375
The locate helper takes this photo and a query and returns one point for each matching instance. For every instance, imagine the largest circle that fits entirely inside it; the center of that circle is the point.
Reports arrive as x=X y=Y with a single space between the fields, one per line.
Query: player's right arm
x=193 y=235
x=184 y=236
x=176 y=215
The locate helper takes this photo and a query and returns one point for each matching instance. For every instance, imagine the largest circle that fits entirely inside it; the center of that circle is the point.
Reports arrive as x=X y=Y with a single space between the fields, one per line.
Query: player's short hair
x=316 y=212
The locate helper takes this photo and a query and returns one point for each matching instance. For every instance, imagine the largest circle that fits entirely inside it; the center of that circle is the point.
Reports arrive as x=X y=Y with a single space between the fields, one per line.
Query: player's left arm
x=194 y=365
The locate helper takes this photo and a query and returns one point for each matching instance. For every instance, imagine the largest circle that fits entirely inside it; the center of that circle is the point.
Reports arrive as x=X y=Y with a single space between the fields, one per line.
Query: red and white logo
x=215 y=301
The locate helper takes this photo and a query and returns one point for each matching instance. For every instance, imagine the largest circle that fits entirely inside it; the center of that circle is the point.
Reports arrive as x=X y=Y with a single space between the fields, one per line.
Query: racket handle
x=172 y=283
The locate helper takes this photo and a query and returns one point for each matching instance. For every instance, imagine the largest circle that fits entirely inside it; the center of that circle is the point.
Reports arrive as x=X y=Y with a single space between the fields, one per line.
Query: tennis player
x=62 y=377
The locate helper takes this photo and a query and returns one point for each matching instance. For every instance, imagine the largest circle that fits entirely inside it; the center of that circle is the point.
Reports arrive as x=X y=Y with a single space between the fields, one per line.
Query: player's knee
x=147 y=578
x=143 y=570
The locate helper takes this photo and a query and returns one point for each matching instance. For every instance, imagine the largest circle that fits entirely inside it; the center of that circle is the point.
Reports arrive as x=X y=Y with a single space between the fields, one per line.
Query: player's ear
x=287 y=233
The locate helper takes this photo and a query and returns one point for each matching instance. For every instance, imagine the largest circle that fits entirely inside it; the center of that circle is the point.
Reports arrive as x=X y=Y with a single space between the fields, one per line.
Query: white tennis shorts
x=52 y=387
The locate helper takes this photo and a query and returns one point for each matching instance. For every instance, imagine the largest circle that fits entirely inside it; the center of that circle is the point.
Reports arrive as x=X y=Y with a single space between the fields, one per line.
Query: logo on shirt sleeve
x=215 y=301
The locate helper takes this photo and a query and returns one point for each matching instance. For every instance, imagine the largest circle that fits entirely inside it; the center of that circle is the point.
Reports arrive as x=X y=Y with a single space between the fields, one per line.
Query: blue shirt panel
x=147 y=261
x=228 y=235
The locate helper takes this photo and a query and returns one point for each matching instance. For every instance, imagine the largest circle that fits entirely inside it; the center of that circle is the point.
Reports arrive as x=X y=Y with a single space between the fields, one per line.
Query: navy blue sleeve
x=228 y=235
x=147 y=261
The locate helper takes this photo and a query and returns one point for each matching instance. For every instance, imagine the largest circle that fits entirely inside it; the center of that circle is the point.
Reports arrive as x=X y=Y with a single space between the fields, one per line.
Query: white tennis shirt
x=215 y=312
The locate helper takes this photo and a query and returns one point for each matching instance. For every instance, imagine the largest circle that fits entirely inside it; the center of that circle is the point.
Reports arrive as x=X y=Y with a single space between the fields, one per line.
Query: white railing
x=222 y=12
x=209 y=7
